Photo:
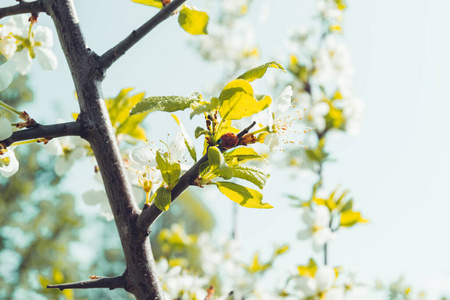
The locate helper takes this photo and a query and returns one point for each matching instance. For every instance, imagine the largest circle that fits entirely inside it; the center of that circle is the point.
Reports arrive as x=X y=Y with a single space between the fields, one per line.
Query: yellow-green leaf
x=242 y=195
x=350 y=218
x=217 y=163
x=154 y=3
x=164 y=103
x=170 y=170
x=242 y=155
x=163 y=198
x=237 y=101
x=259 y=72
x=193 y=21
x=308 y=270
x=256 y=266
x=252 y=174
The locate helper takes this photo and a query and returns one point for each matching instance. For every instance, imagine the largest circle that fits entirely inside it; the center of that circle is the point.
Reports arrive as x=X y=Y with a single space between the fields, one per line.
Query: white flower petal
x=62 y=165
x=44 y=35
x=144 y=156
x=322 y=216
x=272 y=140
x=46 y=58
x=5 y=129
x=94 y=197
x=284 y=100
x=325 y=277
x=54 y=147
x=12 y=166
x=23 y=61
x=321 y=237
x=7 y=71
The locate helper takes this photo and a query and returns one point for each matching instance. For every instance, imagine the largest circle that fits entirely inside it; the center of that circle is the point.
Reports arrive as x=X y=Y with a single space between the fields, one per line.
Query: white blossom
x=281 y=122
x=317 y=223
x=68 y=149
x=9 y=165
x=333 y=63
x=322 y=284
x=5 y=129
x=31 y=44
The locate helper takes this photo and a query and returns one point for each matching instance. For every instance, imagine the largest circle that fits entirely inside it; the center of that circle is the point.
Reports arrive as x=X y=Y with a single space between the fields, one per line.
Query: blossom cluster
x=21 y=42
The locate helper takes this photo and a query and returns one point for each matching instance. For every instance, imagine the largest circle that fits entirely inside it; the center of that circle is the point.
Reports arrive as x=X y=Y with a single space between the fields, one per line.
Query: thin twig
x=151 y=212
x=109 y=283
x=44 y=131
x=22 y=8
x=113 y=54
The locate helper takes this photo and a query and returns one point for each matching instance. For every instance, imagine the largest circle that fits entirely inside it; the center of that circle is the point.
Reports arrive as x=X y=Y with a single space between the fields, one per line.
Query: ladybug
x=228 y=140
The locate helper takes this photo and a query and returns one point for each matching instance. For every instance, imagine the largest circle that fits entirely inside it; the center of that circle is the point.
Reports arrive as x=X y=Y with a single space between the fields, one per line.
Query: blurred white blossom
x=5 y=129
x=317 y=223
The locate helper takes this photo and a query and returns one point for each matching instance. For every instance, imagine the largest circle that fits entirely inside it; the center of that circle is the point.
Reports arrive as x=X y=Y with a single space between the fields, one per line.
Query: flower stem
x=10 y=108
x=25 y=142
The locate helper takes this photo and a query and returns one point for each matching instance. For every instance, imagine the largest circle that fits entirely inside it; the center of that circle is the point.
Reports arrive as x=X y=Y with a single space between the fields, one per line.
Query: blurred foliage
x=35 y=230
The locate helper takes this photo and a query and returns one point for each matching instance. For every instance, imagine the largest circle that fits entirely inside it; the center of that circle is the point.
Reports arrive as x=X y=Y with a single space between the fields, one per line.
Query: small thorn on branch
x=97 y=283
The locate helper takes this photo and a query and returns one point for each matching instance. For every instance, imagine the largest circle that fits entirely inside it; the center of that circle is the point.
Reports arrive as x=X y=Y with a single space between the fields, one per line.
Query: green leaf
x=252 y=174
x=193 y=21
x=187 y=140
x=237 y=101
x=163 y=198
x=199 y=131
x=348 y=205
x=170 y=170
x=242 y=155
x=259 y=72
x=154 y=3
x=242 y=195
x=164 y=103
x=201 y=107
x=217 y=163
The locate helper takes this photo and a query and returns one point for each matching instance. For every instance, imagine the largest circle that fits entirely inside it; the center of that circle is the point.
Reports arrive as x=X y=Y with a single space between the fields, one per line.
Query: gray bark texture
x=88 y=73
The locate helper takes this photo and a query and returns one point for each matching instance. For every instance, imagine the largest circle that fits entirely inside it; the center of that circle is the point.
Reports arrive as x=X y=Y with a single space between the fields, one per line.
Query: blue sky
x=397 y=169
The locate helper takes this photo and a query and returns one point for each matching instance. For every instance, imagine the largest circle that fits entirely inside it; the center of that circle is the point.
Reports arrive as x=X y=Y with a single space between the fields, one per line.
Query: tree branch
x=23 y=7
x=140 y=278
x=151 y=212
x=113 y=54
x=110 y=283
x=44 y=131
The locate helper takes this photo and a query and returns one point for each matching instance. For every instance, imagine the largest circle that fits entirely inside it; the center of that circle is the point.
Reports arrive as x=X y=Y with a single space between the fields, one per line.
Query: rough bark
x=87 y=73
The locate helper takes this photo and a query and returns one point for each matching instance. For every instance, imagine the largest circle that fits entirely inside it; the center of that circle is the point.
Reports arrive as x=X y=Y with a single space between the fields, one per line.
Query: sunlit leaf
x=256 y=266
x=193 y=21
x=201 y=107
x=164 y=103
x=242 y=195
x=154 y=3
x=251 y=174
x=242 y=155
x=350 y=218
x=237 y=101
x=163 y=198
x=217 y=163
x=308 y=270
x=259 y=72
x=170 y=170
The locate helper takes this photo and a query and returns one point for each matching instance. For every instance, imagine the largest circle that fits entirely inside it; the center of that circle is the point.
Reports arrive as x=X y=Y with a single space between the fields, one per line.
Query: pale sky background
x=396 y=170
